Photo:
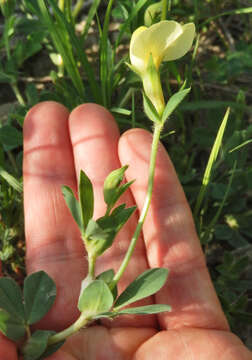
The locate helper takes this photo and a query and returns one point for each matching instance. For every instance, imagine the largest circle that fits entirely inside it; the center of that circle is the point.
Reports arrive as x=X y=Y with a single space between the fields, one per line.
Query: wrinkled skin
x=56 y=147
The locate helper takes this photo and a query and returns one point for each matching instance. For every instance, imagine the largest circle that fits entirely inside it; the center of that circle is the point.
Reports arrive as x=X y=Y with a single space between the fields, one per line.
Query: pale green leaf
x=144 y=285
x=145 y=310
x=173 y=102
x=73 y=205
x=86 y=197
x=96 y=298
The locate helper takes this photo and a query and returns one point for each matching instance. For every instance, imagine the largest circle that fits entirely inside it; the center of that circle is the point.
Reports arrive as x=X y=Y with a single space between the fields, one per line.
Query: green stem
x=77 y=8
x=164 y=9
x=61 y=5
x=17 y=92
x=91 y=266
x=79 y=323
x=14 y=82
x=154 y=148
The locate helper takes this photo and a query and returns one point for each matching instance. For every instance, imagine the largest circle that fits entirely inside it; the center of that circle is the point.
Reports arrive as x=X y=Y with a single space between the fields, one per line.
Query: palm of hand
x=197 y=326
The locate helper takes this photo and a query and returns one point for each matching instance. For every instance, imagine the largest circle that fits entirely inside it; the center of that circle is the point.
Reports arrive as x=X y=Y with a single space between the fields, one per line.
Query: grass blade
x=211 y=161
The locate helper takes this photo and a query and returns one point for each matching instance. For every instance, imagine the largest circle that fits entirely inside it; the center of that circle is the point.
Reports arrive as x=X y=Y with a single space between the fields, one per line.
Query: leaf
x=107 y=276
x=146 y=284
x=86 y=197
x=36 y=345
x=173 y=102
x=73 y=205
x=111 y=185
x=95 y=299
x=10 y=137
x=51 y=349
x=145 y=310
x=210 y=163
x=11 y=326
x=150 y=110
x=100 y=234
x=39 y=296
x=11 y=298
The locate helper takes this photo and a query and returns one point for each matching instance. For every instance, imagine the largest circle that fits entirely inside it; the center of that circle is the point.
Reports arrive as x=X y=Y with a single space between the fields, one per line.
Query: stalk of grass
x=11 y=180
x=78 y=8
x=241 y=145
x=61 y=5
x=105 y=70
x=6 y=40
x=125 y=25
x=246 y=10
x=133 y=113
x=68 y=32
x=90 y=17
x=213 y=222
x=210 y=164
x=60 y=38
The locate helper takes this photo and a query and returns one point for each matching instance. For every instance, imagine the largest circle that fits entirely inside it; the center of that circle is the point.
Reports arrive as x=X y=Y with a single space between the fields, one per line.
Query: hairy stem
x=154 y=148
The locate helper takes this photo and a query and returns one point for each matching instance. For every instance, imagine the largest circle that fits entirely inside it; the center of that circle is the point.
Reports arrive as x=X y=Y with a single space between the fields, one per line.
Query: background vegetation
x=75 y=51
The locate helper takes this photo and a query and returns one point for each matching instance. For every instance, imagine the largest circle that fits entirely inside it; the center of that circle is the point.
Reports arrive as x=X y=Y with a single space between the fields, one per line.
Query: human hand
x=56 y=147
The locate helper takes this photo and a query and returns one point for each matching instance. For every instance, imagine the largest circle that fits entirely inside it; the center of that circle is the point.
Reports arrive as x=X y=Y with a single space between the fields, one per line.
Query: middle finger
x=94 y=135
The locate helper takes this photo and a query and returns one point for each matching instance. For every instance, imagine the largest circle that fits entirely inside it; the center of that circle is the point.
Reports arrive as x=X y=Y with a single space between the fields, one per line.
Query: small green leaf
x=100 y=234
x=150 y=110
x=145 y=310
x=36 y=345
x=107 y=276
x=73 y=205
x=95 y=299
x=111 y=185
x=173 y=102
x=11 y=326
x=86 y=196
x=144 y=285
x=39 y=296
x=11 y=298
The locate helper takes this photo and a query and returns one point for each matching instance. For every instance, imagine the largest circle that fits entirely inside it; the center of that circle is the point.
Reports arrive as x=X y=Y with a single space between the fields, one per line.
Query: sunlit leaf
x=144 y=285
x=95 y=299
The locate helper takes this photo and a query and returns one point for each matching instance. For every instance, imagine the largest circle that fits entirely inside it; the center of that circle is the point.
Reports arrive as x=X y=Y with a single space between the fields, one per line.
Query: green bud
x=152 y=13
x=152 y=86
x=7 y=7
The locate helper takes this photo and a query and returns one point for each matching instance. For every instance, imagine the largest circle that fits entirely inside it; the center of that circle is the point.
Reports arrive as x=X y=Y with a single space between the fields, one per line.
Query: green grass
x=213 y=165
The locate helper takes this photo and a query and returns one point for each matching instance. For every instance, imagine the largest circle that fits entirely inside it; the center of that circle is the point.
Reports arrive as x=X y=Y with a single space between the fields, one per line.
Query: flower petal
x=182 y=44
x=154 y=40
x=137 y=52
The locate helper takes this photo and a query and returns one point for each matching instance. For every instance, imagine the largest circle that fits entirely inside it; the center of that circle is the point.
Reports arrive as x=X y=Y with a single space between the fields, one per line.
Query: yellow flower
x=164 y=41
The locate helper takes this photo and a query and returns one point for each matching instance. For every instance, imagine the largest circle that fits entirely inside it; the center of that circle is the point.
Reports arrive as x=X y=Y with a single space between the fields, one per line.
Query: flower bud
x=152 y=86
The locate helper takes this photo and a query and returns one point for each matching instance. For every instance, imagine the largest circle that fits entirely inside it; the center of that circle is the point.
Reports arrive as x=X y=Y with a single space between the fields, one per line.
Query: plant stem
x=164 y=9
x=154 y=148
x=77 y=8
x=79 y=323
x=17 y=92
x=91 y=266
x=13 y=84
